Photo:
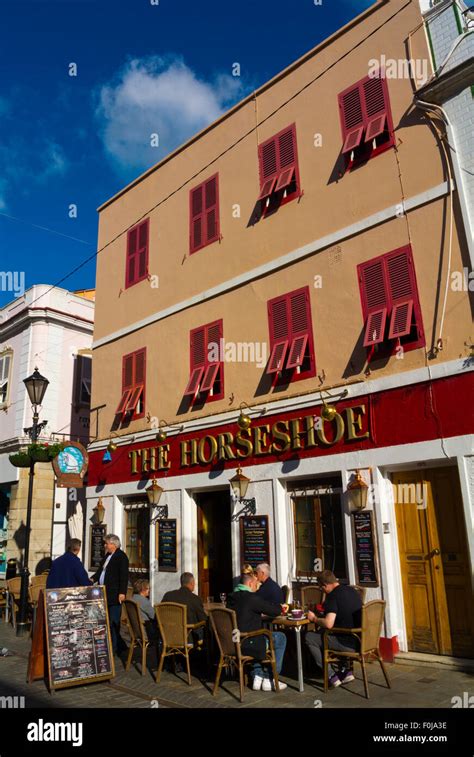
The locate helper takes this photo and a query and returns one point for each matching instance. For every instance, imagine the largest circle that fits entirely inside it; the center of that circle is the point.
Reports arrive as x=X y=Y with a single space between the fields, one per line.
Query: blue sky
x=141 y=68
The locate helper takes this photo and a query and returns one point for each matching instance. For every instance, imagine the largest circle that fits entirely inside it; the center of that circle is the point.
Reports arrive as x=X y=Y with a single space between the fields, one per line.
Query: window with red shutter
x=132 y=401
x=137 y=254
x=206 y=367
x=366 y=119
x=291 y=336
x=204 y=214
x=278 y=166
x=390 y=303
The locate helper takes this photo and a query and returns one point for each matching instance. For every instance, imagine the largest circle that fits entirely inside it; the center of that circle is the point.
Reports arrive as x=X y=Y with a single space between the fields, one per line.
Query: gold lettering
x=339 y=430
x=186 y=452
x=133 y=457
x=213 y=448
x=355 y=422
x=153 y=458
x=310 y=438
x=163 y=462
x=296 y=432
x=260 y=438
x=281 y=436
x=225 y=450
x=145 y=467
x=245 y=443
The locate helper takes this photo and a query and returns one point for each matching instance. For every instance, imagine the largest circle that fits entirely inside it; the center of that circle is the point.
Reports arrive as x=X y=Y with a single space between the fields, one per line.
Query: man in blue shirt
x=269 y=589
x=68 y=570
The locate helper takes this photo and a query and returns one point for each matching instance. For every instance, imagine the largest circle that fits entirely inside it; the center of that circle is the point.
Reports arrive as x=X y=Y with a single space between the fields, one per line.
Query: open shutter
x=352 y=117
x=142 y=251
x=268 y=164
x=197 y=231
x=132 y=247
x=209 y=377
x=211 y=209
x=279 y=327
x=297 y=351
x=198 y=360
x=402 y=287
x=375 y=300
x=127 y=383
x=286 y=158
x=375 y=105
x=133 y=399
x=213 y=344
x=300 y=315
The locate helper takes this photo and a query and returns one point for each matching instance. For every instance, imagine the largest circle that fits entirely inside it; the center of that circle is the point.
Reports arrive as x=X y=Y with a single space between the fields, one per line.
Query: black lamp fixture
x=36 y=386
x=239 y=484
x=154 y=492
x=357 y=491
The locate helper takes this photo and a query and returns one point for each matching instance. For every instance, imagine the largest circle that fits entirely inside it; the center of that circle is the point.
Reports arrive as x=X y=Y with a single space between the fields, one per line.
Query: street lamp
x=357 y=492
x=36 y=386
x=154 y=492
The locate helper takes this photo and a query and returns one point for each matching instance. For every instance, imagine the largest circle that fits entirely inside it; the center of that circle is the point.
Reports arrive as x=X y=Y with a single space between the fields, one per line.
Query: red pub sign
x=401 y=415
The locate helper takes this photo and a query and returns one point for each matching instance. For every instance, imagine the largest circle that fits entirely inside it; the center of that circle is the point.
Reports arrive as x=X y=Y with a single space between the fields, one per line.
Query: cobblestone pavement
x=412 y=686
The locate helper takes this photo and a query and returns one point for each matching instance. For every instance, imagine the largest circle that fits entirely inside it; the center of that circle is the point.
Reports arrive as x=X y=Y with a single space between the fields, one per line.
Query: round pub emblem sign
x=70 y=465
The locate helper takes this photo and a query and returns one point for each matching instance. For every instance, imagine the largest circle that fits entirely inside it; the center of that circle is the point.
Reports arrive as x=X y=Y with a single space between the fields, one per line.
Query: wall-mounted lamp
x=99 y=512
x=162 y=433
x=154 y=492
x=357 y=491
x=329 y=412
x=239 y=484
x=244 y=421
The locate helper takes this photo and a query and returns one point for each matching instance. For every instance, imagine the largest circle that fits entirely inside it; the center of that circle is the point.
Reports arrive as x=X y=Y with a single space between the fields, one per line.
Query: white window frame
x=6 y=354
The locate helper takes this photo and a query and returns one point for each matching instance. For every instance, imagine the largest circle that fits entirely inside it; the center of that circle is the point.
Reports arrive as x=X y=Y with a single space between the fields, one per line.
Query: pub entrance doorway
x=214 y=544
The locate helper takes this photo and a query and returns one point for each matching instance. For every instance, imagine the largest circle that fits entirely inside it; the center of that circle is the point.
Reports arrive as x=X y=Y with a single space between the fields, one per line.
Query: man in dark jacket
x=113 y=574
x=342 y=608
x=269 y=589
x=68 y=570
x=185 y=596
x=249 y=607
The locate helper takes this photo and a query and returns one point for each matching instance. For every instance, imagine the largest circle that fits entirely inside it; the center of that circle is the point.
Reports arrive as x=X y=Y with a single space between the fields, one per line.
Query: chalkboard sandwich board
x=365 y=548
x=78 y=643
x=167 y=545
x=254 y=541
x=98 y=532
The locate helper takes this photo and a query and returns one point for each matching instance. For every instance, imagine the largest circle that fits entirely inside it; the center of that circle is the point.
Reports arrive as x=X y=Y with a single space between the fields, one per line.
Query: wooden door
x=433 y=557
x=203 y=554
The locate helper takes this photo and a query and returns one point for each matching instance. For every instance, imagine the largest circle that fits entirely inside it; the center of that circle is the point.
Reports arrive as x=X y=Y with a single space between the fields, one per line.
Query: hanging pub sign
x=167 y=545
x=254 y=541
x=365 y=548
x=70 y=465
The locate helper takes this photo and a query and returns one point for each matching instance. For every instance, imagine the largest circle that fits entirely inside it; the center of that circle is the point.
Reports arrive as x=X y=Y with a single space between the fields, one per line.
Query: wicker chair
x=175 y=630
x=3 y=601
x=138 y=635
x=224 y=625
x=312 y=594
x=362 y=591
x=368 y=635
x=14 y=587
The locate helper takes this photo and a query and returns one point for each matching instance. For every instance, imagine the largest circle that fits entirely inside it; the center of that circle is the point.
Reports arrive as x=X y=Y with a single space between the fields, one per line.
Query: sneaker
x=334 y=681
x=268 y=685
x=281 y=684
x=257 y=683
x=346 y=676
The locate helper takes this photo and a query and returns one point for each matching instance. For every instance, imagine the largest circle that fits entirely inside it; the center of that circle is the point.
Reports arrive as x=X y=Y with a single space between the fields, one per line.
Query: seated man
x=141 y=595
x=185 y=596
x=249 y=607
x=342 y=608
x=269 y=589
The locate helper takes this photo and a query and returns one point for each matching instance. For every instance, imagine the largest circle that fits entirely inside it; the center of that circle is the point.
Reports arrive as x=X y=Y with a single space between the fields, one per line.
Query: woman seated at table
x=247 y=570
x=141 y=595
x=249 y=608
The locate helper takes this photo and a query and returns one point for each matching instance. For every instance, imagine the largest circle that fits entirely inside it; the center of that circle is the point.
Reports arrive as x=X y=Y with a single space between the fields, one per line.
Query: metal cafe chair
x=224 y=623
x=14 y=587
x=174 y=629
x=138 y=634
x=368 y=635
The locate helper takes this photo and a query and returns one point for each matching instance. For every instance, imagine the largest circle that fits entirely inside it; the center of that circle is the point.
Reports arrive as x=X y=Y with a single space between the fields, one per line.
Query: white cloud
x=158 y=96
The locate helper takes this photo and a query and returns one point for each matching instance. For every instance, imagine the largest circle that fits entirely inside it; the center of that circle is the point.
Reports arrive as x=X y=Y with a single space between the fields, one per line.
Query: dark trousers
x=115 y=613
x=314 y=642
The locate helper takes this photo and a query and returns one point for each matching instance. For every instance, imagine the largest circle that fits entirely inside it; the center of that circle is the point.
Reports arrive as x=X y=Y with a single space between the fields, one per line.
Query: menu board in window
x=78 y=644
x=365 y=548
x=167 y=545
x=97 y=549
x=254 y=541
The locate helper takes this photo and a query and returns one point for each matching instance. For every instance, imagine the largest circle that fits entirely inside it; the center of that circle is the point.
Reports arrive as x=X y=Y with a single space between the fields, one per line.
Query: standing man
x=113 y=574
x=269 y=589
x=342 y=608
x=68 y=570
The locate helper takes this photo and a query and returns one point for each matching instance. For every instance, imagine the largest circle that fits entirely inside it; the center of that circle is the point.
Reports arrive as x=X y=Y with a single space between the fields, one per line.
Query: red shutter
x=352 y=117
x=196 y=217
x=209 y=377
x=277 y=162
x=211 y=195
x=134 y=398
x=375 y=96
x=194 y=381
x=137 y=254
x=268 y=165
x=402 y=287
x=375 y=300
x=279 y=328
x=297 y=351
x=133 y=381
x=300 y=327
x=123 y=402
x=204 y=213
x=197 y=341
x=127 y=372
x=277 y=356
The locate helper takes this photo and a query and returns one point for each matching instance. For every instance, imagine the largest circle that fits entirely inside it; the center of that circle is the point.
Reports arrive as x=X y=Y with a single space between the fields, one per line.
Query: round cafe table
x=296 y=625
